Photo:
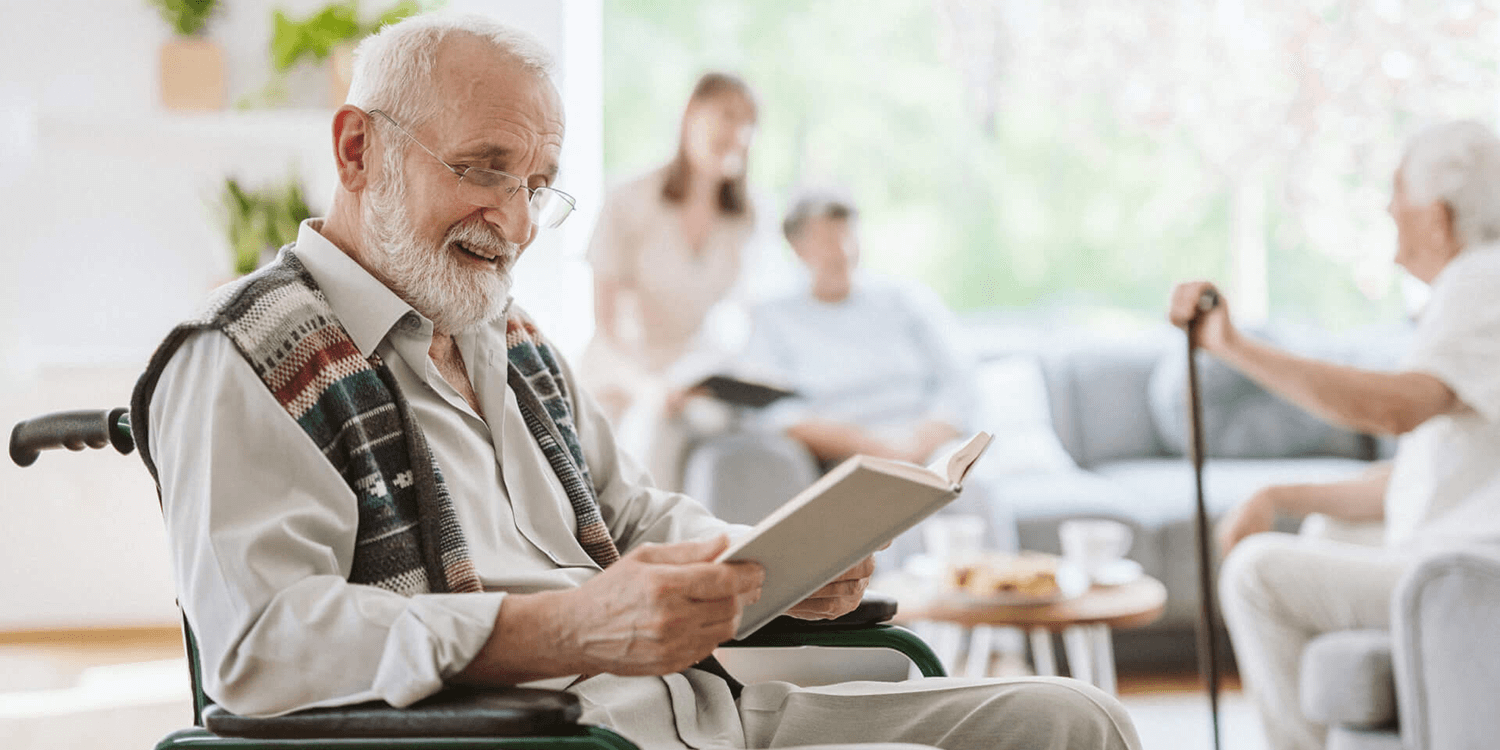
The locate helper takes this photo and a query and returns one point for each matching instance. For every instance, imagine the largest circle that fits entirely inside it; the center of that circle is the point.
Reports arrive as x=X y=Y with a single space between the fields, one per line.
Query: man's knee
x=1248 y=575
x=1061 y=712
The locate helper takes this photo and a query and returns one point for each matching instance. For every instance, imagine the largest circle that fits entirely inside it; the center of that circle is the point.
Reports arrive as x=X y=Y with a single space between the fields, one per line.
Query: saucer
x=1117 y=572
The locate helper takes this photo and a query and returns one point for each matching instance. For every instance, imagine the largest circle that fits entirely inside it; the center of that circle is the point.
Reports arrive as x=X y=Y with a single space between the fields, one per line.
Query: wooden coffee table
x=1085 y=622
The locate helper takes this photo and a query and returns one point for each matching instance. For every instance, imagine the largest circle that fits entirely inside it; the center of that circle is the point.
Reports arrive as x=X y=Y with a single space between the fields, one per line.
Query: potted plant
x=330 y=34
x=260 y=222
x=191 y=67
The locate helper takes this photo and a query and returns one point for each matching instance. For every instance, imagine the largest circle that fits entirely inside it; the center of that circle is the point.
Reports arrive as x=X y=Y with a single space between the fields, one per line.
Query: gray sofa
x=1100 y=398
x=1101 y=405
x=1431 y=682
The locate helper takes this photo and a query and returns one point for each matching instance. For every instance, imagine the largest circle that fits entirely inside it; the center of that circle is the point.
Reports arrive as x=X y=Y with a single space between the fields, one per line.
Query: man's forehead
x=478 y=85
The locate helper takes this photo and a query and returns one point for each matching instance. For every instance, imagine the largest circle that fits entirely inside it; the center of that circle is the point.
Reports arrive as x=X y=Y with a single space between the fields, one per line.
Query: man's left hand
x=839 y=597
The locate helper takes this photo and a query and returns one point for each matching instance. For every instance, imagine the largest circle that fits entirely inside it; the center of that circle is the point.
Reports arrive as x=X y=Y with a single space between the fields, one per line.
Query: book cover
x=842 y=518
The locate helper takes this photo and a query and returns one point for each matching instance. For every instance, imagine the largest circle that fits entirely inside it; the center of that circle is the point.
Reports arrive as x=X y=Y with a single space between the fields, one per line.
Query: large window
x=1081 y=155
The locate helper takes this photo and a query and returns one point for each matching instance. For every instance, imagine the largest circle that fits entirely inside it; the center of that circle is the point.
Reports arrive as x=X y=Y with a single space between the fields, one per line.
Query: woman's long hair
x=734 y=198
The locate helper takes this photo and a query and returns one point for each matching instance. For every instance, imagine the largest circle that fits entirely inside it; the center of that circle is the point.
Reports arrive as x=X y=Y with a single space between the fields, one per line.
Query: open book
x=841 y=519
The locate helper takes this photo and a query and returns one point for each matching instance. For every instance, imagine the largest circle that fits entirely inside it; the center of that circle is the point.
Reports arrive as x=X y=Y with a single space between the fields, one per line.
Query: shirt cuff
x=432 y=640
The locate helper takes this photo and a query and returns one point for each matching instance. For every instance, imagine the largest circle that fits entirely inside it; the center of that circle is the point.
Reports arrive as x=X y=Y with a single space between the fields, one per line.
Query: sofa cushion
x=1347 y=679
x=1240 y=419
x=1015 y=410
x=1098 y=399
x=1165 y=485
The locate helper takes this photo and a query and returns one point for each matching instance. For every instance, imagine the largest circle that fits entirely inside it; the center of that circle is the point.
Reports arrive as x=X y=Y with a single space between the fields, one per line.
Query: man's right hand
x=660 y=609
x=1215 y=331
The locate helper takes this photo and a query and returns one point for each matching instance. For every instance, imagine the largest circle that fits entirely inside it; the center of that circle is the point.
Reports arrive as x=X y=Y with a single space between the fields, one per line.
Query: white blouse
x=668 y=289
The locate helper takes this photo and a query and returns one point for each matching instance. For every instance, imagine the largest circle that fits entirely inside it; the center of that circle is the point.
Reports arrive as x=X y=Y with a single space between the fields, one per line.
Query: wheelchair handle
x=74 y=430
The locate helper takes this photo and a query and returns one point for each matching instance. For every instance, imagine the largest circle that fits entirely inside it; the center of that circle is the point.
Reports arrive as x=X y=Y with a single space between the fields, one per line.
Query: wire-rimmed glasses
x=491 y=188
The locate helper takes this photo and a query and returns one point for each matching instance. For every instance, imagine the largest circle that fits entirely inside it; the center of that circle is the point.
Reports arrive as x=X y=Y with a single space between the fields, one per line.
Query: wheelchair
x=502 y=718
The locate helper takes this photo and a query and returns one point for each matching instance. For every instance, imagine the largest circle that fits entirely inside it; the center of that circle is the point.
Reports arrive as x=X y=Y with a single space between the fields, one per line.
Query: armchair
x=1428 y=684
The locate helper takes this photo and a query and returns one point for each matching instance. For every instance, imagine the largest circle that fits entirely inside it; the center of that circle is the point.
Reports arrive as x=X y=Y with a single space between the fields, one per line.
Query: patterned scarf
x=542 y=395
x=409 y=540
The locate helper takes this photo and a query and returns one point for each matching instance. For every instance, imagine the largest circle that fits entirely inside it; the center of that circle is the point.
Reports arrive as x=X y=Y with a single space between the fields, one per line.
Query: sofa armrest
x=1446 y=631
x=454 y=712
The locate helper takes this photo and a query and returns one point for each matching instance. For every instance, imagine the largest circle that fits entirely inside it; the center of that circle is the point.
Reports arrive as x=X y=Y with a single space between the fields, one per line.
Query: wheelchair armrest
x=862 y=628
x=454 y=712
x=872 y=610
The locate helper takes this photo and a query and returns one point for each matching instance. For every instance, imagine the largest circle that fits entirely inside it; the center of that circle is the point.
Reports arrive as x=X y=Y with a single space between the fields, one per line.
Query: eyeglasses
x=491 y=188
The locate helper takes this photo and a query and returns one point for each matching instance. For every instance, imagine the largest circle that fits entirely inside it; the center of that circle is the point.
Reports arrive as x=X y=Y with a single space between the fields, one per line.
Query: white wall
x=108 y=208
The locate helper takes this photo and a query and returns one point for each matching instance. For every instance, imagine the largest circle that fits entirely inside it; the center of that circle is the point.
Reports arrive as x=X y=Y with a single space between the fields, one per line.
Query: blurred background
x=1042 y=165
x=1075 y=158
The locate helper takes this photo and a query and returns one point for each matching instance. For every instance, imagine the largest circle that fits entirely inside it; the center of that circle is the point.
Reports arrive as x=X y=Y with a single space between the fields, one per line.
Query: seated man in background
x=1280 y=591
x=873 y=360
x=378 y=479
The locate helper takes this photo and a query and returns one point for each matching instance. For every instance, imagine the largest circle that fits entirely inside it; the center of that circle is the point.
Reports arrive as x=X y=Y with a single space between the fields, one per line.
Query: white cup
x=1093 y=544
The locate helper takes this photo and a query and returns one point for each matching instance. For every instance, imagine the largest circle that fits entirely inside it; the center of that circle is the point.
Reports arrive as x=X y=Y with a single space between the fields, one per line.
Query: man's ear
x=351 y=147
x=1448 y=227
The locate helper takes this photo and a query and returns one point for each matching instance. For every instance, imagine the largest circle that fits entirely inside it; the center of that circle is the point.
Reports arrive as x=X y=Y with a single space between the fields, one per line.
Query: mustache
x=480 y=237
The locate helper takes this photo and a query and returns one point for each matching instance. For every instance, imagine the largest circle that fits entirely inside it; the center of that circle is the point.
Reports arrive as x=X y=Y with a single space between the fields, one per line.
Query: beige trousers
x=695 y=710
x=1278 y=592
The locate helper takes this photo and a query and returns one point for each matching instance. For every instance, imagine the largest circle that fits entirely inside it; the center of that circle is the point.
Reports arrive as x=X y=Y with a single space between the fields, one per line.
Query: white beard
x=428 y=276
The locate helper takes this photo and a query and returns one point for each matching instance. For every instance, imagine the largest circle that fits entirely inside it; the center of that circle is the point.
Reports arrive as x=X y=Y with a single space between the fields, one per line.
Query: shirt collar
x=367 y=308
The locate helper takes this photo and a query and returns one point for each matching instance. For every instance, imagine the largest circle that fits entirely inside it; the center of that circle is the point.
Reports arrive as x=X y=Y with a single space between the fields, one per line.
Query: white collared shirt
x=262 y=527
x=1445 y=482
x=882 y=358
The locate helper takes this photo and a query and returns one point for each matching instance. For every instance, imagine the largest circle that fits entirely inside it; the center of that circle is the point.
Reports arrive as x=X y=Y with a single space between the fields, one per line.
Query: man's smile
x=475 y=253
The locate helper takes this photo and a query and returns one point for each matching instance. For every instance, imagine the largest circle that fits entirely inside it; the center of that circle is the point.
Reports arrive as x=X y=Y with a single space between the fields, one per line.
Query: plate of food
x=1016 y=579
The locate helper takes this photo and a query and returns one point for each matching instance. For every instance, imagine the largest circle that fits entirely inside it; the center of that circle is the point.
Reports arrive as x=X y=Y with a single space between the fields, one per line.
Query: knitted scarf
x=408 y=540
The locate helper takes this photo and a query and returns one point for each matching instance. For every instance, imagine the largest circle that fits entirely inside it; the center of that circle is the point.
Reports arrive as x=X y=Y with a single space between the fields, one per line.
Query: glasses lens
x=549 y=207
x=487 y=187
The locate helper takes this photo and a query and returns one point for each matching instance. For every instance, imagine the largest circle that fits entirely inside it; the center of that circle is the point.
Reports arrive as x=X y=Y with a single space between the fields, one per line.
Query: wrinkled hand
x=1256 y=515
x=1215 y=330
x=839 y=597
x=661 y=608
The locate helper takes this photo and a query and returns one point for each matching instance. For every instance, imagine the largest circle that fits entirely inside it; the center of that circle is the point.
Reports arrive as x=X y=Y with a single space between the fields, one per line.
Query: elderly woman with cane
x=1279 y=591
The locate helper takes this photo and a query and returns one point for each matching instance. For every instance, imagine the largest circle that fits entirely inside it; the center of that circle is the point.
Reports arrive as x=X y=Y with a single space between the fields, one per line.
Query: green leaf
x=399 y=12
x=186 y=17
x=286 y=42
x=261 y=220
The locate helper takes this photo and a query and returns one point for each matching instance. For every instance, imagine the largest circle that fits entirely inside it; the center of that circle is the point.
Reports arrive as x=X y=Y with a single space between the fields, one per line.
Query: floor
x=123 y=690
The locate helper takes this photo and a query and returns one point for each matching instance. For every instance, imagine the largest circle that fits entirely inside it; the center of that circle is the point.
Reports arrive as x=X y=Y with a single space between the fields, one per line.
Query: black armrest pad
x=455 y=712
x=873 y=610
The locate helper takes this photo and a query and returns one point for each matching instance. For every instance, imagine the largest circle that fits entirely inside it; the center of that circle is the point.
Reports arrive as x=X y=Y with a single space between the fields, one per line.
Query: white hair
x=1458 y=164
x=393 y=68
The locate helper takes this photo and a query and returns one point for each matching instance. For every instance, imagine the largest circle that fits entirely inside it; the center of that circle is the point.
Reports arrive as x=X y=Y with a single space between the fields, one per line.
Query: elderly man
x=378 y=478
x=872 y=358
x=1443 y=488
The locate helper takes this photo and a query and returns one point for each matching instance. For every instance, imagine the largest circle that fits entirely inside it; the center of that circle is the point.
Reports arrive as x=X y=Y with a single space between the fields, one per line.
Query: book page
x=838 y=521
x=955 y=464
x=908 y=471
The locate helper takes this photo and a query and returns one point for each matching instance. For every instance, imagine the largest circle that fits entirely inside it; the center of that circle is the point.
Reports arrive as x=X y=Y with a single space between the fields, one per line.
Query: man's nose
x=512 y=216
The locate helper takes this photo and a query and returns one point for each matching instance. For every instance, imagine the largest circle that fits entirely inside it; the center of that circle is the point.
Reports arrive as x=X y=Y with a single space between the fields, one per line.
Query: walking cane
x=1208 y=647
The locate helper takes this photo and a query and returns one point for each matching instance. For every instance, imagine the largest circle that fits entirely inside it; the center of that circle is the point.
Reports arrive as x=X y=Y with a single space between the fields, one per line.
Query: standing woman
x=670 y=253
